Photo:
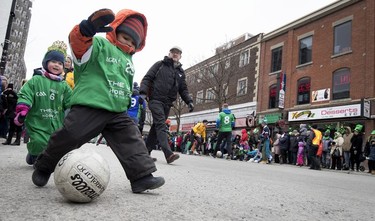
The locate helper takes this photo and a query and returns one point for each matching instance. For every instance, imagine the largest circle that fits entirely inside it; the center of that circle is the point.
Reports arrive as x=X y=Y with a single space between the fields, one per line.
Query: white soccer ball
x=219 y=154
x=81 y=175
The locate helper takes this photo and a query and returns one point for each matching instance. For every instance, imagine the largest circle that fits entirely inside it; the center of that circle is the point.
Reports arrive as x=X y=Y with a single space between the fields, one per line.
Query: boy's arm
x=80 y=38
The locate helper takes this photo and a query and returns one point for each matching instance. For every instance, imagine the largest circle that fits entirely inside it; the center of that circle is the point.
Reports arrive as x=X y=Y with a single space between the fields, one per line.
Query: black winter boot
x=9 y=140
x=18 y=138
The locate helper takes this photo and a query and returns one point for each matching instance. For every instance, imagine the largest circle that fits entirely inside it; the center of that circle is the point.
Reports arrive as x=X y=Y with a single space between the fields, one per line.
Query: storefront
x=332 y=118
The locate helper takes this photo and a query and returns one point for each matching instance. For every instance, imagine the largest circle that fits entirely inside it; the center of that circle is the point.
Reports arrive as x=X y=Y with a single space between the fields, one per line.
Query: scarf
x=51 y=76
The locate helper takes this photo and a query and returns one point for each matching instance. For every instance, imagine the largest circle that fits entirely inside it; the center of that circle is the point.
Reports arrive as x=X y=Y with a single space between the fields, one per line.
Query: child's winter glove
x=97 y=22
x=21 y=112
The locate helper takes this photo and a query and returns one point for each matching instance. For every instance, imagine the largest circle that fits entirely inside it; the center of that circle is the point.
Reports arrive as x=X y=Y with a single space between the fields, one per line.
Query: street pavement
x=196 y=188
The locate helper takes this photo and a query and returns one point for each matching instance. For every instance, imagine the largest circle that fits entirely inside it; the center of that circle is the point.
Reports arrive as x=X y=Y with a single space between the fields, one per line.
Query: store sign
x=353 y=110
x=187 y=127
x=366 y=108
x=321 y=95
x=282 y=90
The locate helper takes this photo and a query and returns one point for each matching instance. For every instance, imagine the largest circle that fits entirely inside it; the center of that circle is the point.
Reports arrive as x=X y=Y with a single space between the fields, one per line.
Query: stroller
x=363 y=163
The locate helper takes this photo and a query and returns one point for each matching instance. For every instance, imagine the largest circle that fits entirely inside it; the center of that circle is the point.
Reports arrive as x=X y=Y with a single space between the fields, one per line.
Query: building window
x=305 y=50
x=276 y=59
x=242 y=86
x=244 y=58
x=303 y=91
x=227 y=63
x=341 y=84
x=199 y=97
x=210 y=95
x=272 y=96
x=342 y=38
x=225 y=90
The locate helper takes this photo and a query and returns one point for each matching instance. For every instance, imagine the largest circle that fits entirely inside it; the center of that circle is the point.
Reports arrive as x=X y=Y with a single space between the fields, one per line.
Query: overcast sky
x=197 y=26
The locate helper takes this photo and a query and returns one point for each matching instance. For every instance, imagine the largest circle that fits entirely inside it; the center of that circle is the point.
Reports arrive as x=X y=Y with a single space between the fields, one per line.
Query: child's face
x=55 y=67
x=125 y=39
x=68 y=63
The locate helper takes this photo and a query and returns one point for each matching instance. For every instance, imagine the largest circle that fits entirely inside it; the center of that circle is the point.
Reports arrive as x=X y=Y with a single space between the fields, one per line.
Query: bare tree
x=177 y=109
x=215 y=75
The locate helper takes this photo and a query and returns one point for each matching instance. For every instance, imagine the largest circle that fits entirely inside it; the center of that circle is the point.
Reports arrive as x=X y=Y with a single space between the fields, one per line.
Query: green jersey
x=225 y=121
x=104 y=79
x=48 y=100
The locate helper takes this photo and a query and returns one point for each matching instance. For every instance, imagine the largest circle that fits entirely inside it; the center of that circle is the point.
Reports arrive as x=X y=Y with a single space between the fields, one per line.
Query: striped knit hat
x=133 y=26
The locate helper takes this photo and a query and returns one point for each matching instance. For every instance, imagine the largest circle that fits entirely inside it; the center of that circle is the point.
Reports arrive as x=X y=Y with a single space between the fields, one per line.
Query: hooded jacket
x=104 y=68
x=347 y=137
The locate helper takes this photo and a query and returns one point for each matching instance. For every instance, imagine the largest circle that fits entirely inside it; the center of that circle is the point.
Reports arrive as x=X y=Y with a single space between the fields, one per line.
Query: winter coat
x=326 y=142
x=339 y=148
x=10 y=97
x=163 y=81
x=356 y=147
x=347 y=137
x=284 y=142
x=370 y=152
x=293 y=143
x=104 y=76
x=276 y=145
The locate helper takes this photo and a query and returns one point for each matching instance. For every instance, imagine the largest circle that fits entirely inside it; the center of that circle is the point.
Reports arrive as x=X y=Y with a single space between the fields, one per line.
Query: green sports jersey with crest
x=48 y=100
x=104 y=78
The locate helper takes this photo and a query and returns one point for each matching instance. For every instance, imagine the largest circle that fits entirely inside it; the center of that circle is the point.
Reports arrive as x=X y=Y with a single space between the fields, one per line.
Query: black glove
x=191 y=107
x=97 y=22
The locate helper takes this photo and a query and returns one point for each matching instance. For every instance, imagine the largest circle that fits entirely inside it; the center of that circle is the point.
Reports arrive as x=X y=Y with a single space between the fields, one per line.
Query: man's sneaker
x=172 y=158
x=30 y=159
x=195 y=152
x=147 y=183
x=40 y=178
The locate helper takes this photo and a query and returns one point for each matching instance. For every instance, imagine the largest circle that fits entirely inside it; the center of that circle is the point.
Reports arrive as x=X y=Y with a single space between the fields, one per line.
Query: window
x=227 y=63
x=225 y=89
x=210 y=95
x=305 y=50
x=199 y=97
x=342 y=38
x=244 y=58
x=303 y=91
x=276 y=59
x=341 y=84
x=242 y=86
x=272 y=96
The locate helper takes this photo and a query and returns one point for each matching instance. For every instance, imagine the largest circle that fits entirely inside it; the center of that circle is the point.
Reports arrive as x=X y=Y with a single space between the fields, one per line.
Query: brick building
x=319 y=69
x=230 y=76
x=12 y=64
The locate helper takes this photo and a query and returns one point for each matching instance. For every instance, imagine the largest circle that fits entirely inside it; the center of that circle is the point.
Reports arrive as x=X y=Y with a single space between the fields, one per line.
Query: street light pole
x=4 y=55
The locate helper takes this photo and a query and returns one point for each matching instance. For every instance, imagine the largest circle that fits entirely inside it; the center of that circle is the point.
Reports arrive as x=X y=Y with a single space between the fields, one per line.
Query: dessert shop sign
x=353 y=110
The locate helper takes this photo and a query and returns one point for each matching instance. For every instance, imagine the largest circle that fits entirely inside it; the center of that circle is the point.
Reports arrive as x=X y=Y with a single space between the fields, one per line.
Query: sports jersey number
x=226 y=120
x=134 y=102
x=52 y=96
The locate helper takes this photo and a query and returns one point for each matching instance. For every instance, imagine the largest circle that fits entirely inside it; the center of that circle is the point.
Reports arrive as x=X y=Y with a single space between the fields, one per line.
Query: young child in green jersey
x=42 y=101
x=103 y=75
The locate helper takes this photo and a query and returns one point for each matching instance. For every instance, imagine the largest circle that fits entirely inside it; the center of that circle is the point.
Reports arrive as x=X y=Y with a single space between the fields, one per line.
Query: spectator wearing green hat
x=326 y=141
x=356 y=147
x=347 y=135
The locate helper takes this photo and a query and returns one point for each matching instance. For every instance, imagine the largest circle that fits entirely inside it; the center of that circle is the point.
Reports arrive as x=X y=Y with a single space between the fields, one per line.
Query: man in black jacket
x=160 y=86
